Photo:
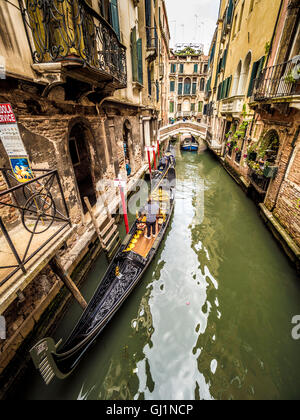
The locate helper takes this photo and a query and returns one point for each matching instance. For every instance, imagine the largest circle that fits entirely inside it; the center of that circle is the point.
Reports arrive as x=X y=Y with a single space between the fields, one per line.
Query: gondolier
x=152 y=211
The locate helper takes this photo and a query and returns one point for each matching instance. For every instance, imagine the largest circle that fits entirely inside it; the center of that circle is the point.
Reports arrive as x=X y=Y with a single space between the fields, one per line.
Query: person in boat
x=162 y=163
x=152 y=210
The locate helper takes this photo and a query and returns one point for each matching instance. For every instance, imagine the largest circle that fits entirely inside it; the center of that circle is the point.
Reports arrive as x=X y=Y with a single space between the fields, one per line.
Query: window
x=194 y=87
x=187 y=86
x=179 y=107
x=114 y=15
x=180 y=86
x=157 y=90
x=241 y=17
x=140 y=61
x=200 y=106
x=205 y=68
x=193 y=107
x=195 y=68
x=134 y=59
x=234 y=25
x=173 y=68
x=171 y=107
x=172 y=86
x=202 y=83
x=251 y=6
x=181 y=68
x=256 y=70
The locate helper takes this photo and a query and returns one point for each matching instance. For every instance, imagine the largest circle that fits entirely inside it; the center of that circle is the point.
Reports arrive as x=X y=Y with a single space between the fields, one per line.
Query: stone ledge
x=288 y=244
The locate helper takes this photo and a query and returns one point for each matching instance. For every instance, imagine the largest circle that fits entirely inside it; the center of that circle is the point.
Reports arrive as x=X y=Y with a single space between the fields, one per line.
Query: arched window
x=187 y=86
x=236 y=79
x=269 y=146
x=244 y=74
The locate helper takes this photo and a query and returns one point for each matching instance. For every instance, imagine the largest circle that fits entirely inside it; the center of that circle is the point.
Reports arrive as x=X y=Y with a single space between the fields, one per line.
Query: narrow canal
x=210 y=320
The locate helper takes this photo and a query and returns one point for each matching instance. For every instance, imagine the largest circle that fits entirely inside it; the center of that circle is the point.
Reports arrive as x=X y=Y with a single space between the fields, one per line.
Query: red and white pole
x=154 y=156
x=158 y=151
x=148 y=149
x=121 y=184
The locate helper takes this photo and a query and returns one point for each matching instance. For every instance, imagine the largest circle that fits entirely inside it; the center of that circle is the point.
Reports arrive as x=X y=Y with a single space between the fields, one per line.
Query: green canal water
x=211 y=319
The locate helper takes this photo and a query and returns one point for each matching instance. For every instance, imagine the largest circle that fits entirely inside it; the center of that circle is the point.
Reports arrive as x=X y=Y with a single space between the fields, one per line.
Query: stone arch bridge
x=179 y=129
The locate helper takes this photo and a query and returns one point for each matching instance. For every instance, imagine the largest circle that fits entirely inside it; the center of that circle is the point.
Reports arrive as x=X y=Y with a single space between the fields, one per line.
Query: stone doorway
x=81 y=160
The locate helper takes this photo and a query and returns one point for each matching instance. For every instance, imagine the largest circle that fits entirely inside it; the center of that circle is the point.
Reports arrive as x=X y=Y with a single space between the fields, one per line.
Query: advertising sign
x=13 y=144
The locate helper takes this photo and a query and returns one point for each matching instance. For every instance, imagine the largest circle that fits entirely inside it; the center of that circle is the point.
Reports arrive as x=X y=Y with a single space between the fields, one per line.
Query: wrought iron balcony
x=72 y=33
x=281 y=80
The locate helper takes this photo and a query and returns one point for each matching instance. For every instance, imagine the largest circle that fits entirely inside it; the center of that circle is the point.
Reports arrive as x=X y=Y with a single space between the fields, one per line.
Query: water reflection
x=211 y=319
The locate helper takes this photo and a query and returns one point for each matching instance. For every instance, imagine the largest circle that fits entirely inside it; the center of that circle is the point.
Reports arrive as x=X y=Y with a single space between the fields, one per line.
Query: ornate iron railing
x=40 y=205
x=278 y=81
x=70 y=30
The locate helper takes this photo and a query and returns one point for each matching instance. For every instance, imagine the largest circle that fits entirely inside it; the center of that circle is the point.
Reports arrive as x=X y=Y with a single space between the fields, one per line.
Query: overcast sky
x=196 y=29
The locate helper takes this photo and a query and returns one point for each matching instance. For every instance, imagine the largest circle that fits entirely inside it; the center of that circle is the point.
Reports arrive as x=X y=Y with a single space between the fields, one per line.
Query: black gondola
x=121 y=277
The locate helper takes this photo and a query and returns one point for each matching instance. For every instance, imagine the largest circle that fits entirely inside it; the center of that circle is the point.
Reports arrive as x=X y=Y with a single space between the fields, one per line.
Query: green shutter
x=172 y=86
x=200 y=106
x=114 y=14
x=134 y=58
x=228 y=86
x=171 y=107
x=140 y=61
x=252 y=78
x=180 y=88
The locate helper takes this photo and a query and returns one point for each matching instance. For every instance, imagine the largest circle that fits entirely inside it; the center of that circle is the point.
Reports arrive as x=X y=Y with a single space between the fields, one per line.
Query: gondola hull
x=110 y=295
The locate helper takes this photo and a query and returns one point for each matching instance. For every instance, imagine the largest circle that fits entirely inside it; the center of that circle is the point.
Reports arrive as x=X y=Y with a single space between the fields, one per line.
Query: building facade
x=83 y=79
x=187 y=79
x=252 y=106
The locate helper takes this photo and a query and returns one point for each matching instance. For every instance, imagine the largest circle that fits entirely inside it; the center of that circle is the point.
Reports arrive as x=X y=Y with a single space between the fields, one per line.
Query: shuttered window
x=195 y=68
x=171 y=107
x=256 y=70
x=194 y=88
x=134 y=59
x=148 y=21
x=140 y=61
x=114 y=15
x=200 y=106
x=172 y=86
x=180 y=88
x=173 y=68
x=181 y=68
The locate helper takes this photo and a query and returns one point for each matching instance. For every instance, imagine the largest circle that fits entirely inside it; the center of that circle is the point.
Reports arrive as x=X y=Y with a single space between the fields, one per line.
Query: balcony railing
x=278 y=81
x=42 y=214
x=260 y=182
x=70 y=31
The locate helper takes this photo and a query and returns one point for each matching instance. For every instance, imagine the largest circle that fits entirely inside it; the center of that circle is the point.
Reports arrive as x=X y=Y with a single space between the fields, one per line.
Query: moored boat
x=190 y=144
x=122 y=276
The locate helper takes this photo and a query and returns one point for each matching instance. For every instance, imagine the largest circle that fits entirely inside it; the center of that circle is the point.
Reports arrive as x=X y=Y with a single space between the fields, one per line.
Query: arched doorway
x=81 y=160
x=127 y=146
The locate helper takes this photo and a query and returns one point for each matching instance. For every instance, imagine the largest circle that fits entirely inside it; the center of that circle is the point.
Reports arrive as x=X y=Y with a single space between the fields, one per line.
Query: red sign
x=7 y=115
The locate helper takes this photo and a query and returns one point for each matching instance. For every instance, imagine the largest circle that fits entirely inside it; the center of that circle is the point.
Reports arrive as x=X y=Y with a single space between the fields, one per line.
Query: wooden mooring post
x=88 y=204
x=58 y=269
